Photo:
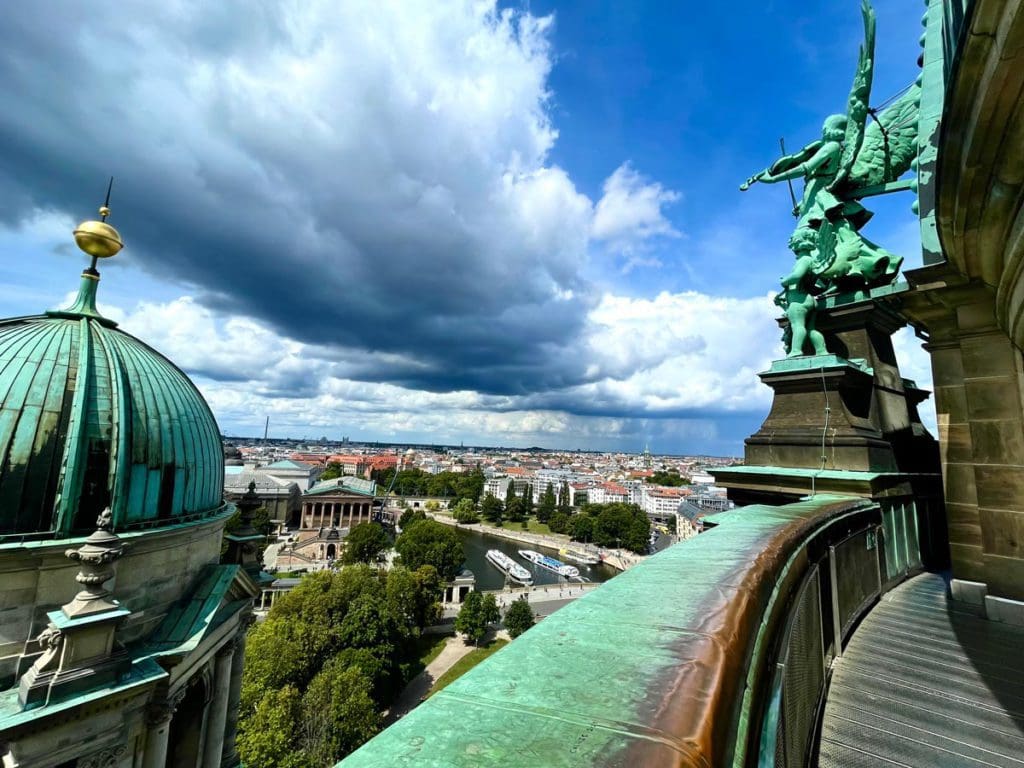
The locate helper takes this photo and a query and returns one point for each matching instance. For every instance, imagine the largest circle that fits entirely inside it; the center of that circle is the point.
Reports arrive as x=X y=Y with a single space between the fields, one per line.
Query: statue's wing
x=857 y=104
x=825 y=256
x=890 y=143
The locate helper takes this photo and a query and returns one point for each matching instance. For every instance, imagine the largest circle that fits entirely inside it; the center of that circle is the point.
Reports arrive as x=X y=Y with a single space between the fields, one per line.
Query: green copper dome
x=91 y=417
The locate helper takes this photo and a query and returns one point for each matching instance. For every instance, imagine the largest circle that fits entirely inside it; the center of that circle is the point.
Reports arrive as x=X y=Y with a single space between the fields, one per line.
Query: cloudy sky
x=512 y=224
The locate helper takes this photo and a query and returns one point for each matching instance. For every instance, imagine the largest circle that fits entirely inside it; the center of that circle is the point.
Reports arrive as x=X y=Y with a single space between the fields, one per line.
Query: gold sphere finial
x=97 y=238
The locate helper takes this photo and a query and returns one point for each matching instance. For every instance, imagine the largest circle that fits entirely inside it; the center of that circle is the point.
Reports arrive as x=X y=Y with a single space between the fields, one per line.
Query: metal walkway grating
x=926 y=684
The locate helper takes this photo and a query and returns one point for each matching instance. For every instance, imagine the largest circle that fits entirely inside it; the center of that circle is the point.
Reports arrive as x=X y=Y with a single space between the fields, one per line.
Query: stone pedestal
x=846 y=423
x=821 y=418
x=80 y=650
x=848 y=410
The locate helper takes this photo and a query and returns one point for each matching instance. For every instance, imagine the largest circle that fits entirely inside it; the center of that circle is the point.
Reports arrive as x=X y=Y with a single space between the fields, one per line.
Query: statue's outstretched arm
x=785 y=164
x=824 y=153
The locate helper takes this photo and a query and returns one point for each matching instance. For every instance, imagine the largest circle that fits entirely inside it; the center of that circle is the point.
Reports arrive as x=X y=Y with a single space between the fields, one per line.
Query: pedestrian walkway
x=542 y=593
x=925 y=682
x=420 y=685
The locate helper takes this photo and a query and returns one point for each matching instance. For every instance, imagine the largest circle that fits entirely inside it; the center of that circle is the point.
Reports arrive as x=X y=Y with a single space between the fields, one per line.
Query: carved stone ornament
x=96 y=557
x=49 y=638
x=161 y=710
x=105 y=758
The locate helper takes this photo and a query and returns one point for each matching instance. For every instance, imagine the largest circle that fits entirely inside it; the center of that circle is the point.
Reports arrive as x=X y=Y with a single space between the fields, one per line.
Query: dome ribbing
x=92 y=417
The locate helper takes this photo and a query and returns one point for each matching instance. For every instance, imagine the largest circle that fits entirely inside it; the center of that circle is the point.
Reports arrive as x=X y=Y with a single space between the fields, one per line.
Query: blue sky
x=412 y=221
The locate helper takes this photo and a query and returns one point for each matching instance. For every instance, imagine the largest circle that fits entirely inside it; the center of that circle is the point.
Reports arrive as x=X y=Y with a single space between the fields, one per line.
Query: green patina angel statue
x=850 y=159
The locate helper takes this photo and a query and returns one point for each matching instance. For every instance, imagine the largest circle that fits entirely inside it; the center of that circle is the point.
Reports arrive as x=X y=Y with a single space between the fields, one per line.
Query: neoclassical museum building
x=330 y=509
x=121 y=626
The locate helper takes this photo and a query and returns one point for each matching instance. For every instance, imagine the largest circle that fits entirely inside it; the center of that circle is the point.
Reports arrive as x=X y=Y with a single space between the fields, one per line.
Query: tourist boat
x=509 y=567
x=578 y=556
x=568 y=571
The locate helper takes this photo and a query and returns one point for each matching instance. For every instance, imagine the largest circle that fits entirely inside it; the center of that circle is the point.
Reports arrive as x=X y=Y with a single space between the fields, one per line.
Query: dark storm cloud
x=315 y=181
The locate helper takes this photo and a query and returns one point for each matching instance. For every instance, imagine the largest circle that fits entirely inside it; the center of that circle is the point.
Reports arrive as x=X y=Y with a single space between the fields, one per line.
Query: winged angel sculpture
x=850 y=159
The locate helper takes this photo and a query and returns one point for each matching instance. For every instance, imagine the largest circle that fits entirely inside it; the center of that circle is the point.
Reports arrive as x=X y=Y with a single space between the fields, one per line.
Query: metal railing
x=850 y=565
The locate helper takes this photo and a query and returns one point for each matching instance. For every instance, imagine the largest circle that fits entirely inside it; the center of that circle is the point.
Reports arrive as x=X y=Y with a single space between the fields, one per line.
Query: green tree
x=428 y=542
x=409 y=516
x=470 y=621
x=432 y=505
x=364 y=543
x=513 y=507
x=413 y=596
x=546 y=508
x=471 y=486
x=489 y=609
x=278 y=653
x=560 y=522
x=670 y=478
x=581 y=527
x=620 y=525
x=269 y=736
x=332 y=471
x=563 y=498
x=514 y=510
x=492 y=509
x=341 y=645
x=464 y=511
x=518 y=618
x=338 y=714
x=527 y=501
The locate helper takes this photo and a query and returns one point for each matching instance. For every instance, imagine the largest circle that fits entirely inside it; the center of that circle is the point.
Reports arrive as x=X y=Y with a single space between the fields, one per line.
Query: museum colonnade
x=327 y=514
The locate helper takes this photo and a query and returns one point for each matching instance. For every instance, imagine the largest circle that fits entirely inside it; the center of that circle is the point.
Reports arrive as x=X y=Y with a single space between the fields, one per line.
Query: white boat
x=577 y=556
x=568 y=571
x=509 y=567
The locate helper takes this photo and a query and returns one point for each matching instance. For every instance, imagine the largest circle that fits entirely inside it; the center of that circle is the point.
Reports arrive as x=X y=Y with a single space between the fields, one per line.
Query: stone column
x=158 y=722
x=218 y=711
x=229 y=758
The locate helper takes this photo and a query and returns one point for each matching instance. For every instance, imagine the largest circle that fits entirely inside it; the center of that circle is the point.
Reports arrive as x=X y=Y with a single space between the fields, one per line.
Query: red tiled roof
x=349 y=459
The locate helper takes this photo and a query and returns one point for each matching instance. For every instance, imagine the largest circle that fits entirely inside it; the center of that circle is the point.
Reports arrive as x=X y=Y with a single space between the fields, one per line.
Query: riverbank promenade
x=545 y=599
x=619 y=559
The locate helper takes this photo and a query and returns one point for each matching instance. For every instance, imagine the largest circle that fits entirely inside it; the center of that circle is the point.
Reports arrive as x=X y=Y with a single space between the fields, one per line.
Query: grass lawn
x=532 y=525
x=466 y=663
x=430 y=647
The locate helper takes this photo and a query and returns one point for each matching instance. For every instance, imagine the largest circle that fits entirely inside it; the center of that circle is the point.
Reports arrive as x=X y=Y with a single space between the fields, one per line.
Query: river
x=488 y=577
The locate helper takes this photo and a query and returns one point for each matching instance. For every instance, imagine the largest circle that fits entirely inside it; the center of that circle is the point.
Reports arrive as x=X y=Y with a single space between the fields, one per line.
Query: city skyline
x=517 y=236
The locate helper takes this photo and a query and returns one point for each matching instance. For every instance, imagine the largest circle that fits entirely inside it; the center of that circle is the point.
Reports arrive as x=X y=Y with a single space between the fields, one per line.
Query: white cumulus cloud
x=631 y=212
